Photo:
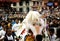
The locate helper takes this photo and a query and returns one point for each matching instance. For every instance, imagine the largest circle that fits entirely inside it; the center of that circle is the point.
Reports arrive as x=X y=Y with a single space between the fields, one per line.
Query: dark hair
x=39 y=37
x=2 y=21
x=51 y=30
x=16 y=18
x=7 y=29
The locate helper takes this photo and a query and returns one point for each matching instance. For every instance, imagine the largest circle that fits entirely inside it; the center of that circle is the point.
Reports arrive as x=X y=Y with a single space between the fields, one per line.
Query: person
x=29 y=36
x=58 y=35
x=16 y=26
x=8 y=35
x=17 y=29
x=13 y=22
x=27 y=23
x=38 y=31
x=35 y=22
x=9 y=25
x=52 y=35
x=38 y=38
x=43 y=20
x=2 y=32
x=2 y=24
x=32 y=16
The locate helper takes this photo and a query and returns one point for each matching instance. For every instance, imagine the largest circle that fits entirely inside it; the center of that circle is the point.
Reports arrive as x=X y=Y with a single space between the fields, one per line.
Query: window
x=14 y=4
x=27 y=9
x=27 y=2
x=33 y=2
x=21 y=9
x=21 y=3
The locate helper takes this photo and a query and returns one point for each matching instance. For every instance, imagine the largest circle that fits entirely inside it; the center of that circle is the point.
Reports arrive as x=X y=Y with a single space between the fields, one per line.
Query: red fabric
x=4 y=0
x=23 y=31
x=9 y=0
x=14 y=0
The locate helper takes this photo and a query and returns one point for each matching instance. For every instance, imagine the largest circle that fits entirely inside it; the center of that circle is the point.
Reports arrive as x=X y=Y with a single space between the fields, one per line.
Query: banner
x=9 y=0
x=15 y=0
x=2 y=0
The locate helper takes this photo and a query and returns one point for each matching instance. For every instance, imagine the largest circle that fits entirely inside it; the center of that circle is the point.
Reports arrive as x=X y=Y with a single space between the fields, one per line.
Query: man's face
x=45 y=15
x=17 y=21
x=9 y=32
x=51 y=33
x=2 y=23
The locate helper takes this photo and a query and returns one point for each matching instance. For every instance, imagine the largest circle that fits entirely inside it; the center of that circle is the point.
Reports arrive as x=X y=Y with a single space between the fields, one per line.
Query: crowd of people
x=16 y=26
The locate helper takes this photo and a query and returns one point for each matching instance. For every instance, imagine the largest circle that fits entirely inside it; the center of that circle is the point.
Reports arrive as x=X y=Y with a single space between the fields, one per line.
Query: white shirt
x=53 y=38
x=2 y=33
x=10 y=37
x=16 y=26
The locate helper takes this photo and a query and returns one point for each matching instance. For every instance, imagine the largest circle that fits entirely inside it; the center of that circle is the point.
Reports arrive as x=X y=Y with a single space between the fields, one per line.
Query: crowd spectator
x=58 y=35
x=52 y=35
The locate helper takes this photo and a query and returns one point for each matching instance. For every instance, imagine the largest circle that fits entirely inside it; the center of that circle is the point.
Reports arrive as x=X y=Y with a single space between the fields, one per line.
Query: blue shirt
x=0 y=27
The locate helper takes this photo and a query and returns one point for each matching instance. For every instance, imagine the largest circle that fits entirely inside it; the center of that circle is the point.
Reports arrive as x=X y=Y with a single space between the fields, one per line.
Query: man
x=44 y=25
x=2 y=24
x=38 y=38
x=16 y=26
x=2 y=32
x=33 y=18
x=58 y=34
x=52 y=35
x=9 y=35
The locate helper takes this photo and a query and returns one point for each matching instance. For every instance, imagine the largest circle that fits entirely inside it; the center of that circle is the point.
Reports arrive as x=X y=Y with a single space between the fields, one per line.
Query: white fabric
x=30 y=18
x=18 y=33
x=10 y=37
x=2 y=33
x=16 y=26
x=23 y=26
x=28 y=21
x=53 y=38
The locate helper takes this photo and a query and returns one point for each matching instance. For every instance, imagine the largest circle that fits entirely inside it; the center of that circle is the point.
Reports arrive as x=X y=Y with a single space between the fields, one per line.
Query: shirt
x=10 y=37
x=2 y=33
x=53 y=38
x=16 y=26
